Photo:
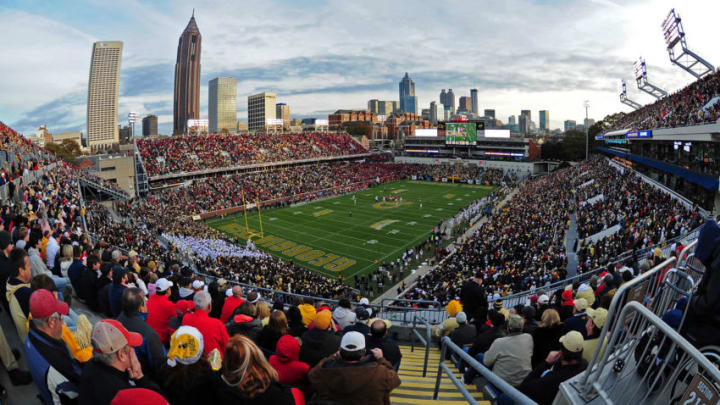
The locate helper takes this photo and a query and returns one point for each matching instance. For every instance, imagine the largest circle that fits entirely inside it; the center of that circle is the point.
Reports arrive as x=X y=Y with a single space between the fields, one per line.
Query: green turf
x=323 y=237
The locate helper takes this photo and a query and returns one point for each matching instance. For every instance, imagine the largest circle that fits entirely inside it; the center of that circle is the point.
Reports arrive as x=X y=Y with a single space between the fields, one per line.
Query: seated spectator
x=188 y=378
x=186 y=292
x=243 y=322
x=510 y=357
x=114 y=366
x=568 y=305
x=320 y=341
x=465 y=333
x=87 y=290
x=546 y=336
x=343 y=315
x=119 y=284
x=543 y=304
x=296 y=328
x=587 y=293
x=579 y=318
x=18 y=290
x=231 y=303
x=160 y=310
x=270 y=334
x=247 y=378
x=543 y=383
x=103 y=288
x=529 y=322
x=215 y=336
x=449 y=324
x=484 y=340
x=360 y=325
x=291 y=371
x=76 y=269
x=307 y=309
x=37 y=264
x=378 y=339
x=55 y=373
x=498 y=306
x=151 y=352
x=262 y=312
x=352 y=377
x=594 y=325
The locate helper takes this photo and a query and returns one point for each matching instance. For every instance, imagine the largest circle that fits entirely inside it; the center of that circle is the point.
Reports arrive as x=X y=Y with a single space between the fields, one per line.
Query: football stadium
x=238 y=253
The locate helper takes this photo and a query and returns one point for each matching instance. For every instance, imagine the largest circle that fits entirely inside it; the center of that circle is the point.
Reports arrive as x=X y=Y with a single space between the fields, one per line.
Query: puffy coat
x=291 y=371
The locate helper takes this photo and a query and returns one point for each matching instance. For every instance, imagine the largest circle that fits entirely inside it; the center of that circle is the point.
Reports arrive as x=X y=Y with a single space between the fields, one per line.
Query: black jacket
x=703 y=316
x=484 y=340
x=473 y=297
x=275 y=394
x=99 y=383
x=542 y=389
x=390 y=349
x=358 y=326
x=318 y=344
x=4 y=275
x=268 y=339
x=463 y=335
x=244 y=325
x=103 y=296
x=194 y=388
x=88 y=287
x=545 y=340
x=151 y=353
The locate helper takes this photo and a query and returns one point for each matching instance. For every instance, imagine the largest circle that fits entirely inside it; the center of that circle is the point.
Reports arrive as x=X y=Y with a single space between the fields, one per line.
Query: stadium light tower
x=132 y=119
x=642 y=82
x=688 y=60
x=624 y=99
x=586 y=103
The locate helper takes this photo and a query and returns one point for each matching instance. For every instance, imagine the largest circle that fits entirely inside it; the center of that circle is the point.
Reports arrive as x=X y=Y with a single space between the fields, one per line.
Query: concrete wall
x=119 y=169
x=523 y=167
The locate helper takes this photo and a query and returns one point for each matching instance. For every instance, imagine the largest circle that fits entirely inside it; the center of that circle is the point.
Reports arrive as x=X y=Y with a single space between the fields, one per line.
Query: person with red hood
x=567 y=306
x=286 y=361
x=231 y=302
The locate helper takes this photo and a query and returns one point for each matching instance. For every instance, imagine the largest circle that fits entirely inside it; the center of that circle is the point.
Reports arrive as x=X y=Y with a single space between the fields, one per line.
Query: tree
x=68 y=150
x=574 y=145
x=358 y=128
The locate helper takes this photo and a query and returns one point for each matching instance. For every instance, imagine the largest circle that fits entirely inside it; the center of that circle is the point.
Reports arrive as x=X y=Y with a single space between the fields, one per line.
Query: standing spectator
x=286 y=361
x=472 y=295
x=160 y=310
x=151 y=352
x=510 y=357
x=18 y=290
x=215 y=336
x=546 y=336
x=247 y=378
x=378 y=339
x=188 y=378
x=320 y=341
x=114 y=366
x=231 y=302
x=543 y=383
x=352 y=378
x=55 y=372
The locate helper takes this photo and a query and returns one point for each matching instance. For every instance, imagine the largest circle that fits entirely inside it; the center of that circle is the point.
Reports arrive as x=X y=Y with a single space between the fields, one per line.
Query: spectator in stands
x=188 y=378
x=465 y=333
x=286 y=361
x=378 y=338
x=55 y=373
x=160 y=310
x=307 y=309
x=248 y=378
x=320 y=341
x=88 y=283
x=18 y=290
x=132 y=396
x=296 y=327
x=6 y=246
x=343 y=315
x=217 y=290
x=579 y=318
x=543 y=383
x=498 y=306
x=594 y=325
x=262 y=312
x=543 y=304
x=587 y=293
x=243 y=322
x=472 y=295
x=151 y=352
x=51 y=252
x=76 y=269
x=215 y=336
x=273 y=331
x=360 y=325
x=103 y=288
x=567 y=307
x=116 y=289
x=114 y=366
x=510 y=357
x=449 y=324
x=351 y=377
x=484 y=340
x=529 y=322
x=546 y=336
x=702 y=325
x=231 y=303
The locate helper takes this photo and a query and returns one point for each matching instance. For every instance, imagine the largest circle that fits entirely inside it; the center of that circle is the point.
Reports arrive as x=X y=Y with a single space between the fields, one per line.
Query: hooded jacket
x=367 y=382
x=308 y=313
x=244 y=325
x=291 y=371
x=318 y=344
x=344 y=317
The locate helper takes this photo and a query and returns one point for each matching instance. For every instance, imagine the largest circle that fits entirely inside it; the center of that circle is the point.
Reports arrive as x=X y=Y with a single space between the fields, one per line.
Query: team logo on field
x=321 y=213
x=386 y=205
x=382 y=224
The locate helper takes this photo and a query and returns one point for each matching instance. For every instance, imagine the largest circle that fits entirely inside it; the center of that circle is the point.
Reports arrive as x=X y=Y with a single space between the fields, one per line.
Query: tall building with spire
x=408 y=100
x=186 y=103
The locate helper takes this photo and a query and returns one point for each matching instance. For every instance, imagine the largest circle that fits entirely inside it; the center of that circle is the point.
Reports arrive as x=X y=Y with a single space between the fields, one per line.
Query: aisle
x=570 y=237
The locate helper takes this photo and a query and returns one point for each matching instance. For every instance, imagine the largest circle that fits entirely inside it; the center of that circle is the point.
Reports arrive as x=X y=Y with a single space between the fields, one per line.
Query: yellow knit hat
x=453 y=307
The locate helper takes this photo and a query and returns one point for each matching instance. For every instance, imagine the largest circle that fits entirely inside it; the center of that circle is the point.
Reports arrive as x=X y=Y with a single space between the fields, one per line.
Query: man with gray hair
x=215 y=336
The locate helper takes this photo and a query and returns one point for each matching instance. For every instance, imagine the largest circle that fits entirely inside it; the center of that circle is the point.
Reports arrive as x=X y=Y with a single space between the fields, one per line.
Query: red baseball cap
x=138 y=396
x=43 y=304
x=109 y=336
x=567 y=294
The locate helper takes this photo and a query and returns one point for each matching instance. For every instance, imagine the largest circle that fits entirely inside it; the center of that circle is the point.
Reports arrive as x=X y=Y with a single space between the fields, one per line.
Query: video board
x=460 y=133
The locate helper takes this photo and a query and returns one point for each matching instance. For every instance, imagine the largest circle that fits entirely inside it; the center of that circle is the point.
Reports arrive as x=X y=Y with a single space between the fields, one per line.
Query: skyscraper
x=261 y=107
x=282 y=112
x=569 y=124
x=186 y=104
x=222 y=104
x=450 y=100
x=433 y=113
x=408 y=101
x=474 y=101
x=511 y=120
x=465 y=104
x=491 y=114
x=544 y=120
x=382 y=107
x=150 y=125
x=443 y=97
x=524 y=121
x=103 y=85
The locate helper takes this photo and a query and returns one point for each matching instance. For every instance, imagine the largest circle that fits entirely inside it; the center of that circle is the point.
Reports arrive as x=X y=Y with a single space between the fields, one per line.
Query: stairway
x=416 y=389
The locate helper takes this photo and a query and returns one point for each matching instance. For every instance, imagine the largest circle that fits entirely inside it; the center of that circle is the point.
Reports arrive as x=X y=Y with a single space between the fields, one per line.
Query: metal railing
x=424 y=340
x=507 y=389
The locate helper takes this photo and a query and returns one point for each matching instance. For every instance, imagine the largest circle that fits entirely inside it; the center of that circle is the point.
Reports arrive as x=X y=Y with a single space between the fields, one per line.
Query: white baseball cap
x=228 y=292
x=163 y=284
x=352 y=341
x=197 y=284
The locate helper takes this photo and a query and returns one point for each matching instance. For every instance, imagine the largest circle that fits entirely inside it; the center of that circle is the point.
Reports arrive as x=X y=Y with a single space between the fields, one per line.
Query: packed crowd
x=646 y=216
x=461 y=172
x=19 y=155
x=192 y=153
x=686 y=107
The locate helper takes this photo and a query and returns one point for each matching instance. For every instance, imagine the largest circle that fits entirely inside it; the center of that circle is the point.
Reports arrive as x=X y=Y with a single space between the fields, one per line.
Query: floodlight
x=689 y=61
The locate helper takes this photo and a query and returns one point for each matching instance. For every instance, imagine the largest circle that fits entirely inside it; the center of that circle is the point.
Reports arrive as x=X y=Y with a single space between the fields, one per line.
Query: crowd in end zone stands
x=647 y=216
x=686 y=107
x=191 y=153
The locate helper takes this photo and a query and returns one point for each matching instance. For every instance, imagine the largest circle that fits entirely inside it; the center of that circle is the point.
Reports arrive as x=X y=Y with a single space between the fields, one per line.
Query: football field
x=346 y=236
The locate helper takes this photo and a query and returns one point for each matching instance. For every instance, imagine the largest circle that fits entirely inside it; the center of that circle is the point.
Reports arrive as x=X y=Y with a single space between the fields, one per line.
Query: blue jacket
x=115 y=298
x=75 y=272
x=54 y=370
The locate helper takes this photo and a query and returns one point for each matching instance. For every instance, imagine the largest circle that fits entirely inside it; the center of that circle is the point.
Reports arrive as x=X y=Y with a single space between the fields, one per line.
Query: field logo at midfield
x=304 y=253
x=321 y=213
x=386 y=205
x=382 y=224
x=449 y=196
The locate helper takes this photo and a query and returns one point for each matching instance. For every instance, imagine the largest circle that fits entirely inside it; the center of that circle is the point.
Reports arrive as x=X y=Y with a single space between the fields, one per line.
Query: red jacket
x=229 y=306
x=215 y=335
x=160 y=311
x=285 y=361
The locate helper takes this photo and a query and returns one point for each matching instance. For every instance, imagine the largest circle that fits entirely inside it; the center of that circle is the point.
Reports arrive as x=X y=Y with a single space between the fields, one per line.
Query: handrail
x=502 y=385
x=425 y=341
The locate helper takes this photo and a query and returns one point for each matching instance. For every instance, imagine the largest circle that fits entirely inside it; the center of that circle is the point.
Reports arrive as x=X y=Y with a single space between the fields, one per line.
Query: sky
x=320 y=56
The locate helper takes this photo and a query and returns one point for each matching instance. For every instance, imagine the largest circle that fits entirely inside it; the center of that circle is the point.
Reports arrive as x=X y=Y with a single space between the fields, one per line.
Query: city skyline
x=318 y=72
